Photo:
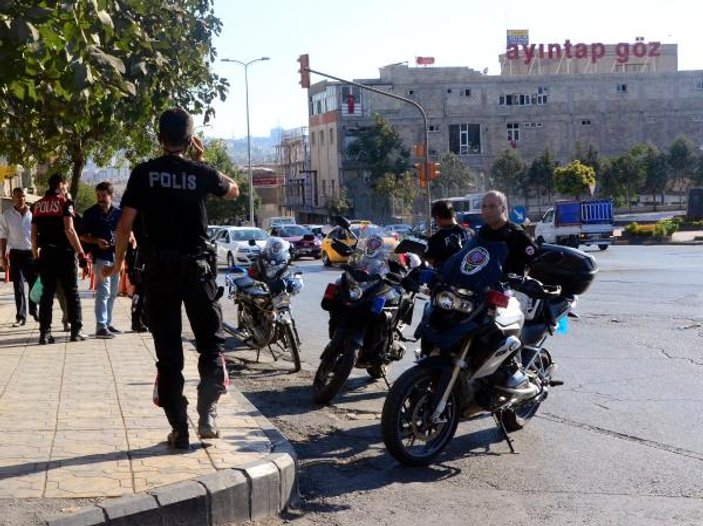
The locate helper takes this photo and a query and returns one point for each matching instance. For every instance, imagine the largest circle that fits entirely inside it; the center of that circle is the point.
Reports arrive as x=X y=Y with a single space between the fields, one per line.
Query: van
x=281 y=220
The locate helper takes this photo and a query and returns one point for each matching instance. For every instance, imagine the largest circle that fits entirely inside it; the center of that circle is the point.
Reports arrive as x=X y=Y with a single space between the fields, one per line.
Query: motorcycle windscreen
x=477 y=266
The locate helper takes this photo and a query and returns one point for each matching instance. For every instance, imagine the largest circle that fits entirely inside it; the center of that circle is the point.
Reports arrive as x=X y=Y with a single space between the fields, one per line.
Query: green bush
x=659 y=229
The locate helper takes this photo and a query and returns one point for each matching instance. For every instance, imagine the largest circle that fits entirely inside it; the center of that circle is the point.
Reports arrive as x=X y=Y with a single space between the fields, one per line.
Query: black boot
x=178 y=418
x=208 y=394
x=45 y=338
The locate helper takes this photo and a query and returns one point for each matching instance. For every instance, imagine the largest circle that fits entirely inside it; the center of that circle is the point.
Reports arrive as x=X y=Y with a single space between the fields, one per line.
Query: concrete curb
x=235 y=495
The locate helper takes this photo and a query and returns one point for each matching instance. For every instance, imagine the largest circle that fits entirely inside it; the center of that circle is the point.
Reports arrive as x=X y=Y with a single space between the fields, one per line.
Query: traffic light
x=304 y=71
x=433 y=170
x=420 y=167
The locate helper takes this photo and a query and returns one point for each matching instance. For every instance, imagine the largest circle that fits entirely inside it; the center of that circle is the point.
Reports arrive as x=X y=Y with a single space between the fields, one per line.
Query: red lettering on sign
x=581 y=50
x=622 y=50
x=654 y=49
x=556 y=49
x=597 y=51
x=639 y=49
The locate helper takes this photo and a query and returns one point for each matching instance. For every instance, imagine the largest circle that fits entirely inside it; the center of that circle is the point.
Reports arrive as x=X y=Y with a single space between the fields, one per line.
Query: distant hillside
x=263 y=149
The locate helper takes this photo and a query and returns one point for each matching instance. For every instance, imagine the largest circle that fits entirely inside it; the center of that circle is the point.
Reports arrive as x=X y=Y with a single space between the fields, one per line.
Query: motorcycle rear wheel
x=333 y=371
x=516 y=419
x=407 y=415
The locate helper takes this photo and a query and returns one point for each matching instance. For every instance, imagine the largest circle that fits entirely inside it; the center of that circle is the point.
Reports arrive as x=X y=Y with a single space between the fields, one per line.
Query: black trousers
x=58 y=265
x=173 y=280
x=22 y=269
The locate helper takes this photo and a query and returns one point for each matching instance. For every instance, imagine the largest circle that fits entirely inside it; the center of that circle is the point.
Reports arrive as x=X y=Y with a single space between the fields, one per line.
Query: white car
x=233 y=246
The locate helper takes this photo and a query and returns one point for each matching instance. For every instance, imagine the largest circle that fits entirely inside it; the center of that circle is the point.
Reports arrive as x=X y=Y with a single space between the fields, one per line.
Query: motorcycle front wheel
x=335 y=367
x=409 y=433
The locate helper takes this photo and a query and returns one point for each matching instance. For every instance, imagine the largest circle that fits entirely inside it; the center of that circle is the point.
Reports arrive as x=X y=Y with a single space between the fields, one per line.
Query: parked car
x=361 y=230
x=317 y=230
x=233 y=246
x=470 y=220
x=303 y=241
x=212 y=231
x=400 y=229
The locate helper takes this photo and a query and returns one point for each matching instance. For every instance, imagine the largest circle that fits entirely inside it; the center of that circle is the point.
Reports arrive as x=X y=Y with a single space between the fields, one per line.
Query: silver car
x=233 y=247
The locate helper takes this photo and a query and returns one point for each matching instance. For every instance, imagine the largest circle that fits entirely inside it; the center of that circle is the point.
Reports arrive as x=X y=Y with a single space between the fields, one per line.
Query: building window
x=331 y=135
x=324 y=188
x=466 y=92
x=501 y=100
x=433 y=128
x=621 y=88
x=312 y=138
x=449 y=90
x=322 y=137
x=524 y=99
x=513 y=131
x=411 y=92
x=586 y=122
x=465 y=139
x=333 y=189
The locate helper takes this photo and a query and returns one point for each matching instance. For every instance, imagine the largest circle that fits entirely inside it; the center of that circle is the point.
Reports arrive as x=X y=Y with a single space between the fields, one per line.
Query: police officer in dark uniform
x=521 y=248
x=169 y=194
x=450 y=236
x=55 y=244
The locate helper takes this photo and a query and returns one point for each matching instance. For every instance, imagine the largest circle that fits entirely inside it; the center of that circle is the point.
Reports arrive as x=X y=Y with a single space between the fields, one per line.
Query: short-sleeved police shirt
x=521 y=248
x=446 y=242
x=48 y=214
x=169 y=194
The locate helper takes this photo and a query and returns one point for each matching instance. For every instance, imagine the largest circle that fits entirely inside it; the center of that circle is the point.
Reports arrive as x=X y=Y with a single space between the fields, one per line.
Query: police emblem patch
x=373 y=245
x=530 y=251
x=474 y=260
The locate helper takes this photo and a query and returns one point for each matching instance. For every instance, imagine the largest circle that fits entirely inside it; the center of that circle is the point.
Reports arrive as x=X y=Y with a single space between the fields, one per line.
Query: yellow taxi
x=360 y=229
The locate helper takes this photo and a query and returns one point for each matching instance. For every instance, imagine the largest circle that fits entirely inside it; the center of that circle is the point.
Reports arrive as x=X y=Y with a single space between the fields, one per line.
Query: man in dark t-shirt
x=521 y=248
x=450 y=237
x=169 y=194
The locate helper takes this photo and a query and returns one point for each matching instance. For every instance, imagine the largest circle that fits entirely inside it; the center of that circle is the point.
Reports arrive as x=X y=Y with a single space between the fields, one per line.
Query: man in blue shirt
x=99 y=226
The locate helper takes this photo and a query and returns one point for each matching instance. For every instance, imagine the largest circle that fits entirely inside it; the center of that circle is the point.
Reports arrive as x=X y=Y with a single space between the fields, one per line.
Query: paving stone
x=185 y=503
x=228 y=492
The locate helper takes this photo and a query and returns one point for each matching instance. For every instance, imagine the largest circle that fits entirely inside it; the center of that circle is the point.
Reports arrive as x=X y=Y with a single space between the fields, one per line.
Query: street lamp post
x=246 y=91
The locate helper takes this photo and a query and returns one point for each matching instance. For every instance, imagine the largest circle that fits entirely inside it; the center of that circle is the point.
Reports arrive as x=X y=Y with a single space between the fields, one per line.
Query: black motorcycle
x=368 y=308
x=478 y=354
x=263 y=299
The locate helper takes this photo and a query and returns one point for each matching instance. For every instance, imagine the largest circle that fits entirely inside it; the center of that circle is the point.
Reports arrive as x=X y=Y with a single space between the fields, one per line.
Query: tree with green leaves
x=682 y=162
x=223 y=211
x=380 y=150
x=382 y=154
x=540 y=175
x=338 y=205
x=629 y=169
x=574 y=179
x=507 y=171
x=86 y=78
x=455 y=178
x=656 y=176
x=589 y=157
x=401 y=190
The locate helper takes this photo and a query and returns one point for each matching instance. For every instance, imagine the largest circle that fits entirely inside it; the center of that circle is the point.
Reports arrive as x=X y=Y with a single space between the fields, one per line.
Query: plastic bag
x=37 y=291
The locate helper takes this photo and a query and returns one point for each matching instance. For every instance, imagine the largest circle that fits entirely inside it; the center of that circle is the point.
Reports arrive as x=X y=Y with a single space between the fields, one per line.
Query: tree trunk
x=654 y=200
x=77 y=165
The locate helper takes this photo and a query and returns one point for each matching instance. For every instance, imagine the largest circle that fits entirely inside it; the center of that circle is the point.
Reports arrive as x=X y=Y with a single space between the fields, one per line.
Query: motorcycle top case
x=568 y=267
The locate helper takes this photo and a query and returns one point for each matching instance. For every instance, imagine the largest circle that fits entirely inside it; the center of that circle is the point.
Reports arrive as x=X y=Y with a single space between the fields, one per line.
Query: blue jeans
x=105 y=294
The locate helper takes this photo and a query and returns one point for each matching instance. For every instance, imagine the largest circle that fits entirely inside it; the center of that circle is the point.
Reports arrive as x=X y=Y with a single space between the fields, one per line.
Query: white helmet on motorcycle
x=276 y=250
x=413 y=260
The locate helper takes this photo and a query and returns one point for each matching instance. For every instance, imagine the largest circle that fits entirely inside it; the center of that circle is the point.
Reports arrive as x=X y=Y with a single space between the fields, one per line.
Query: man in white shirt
x=15 y=237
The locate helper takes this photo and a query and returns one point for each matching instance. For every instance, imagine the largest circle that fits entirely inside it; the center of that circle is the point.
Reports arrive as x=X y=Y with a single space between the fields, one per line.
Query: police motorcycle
x=263 y=299
x=479 y=355
x=368 y=307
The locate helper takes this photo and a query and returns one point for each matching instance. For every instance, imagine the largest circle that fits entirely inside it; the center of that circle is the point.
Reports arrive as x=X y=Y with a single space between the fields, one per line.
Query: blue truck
x=575 y=223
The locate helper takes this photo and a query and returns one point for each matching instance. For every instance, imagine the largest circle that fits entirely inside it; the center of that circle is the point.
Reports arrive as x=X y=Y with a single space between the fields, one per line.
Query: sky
x=353 y=40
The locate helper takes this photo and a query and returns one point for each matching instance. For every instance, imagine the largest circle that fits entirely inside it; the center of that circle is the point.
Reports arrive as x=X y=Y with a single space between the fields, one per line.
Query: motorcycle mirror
x=342 y=221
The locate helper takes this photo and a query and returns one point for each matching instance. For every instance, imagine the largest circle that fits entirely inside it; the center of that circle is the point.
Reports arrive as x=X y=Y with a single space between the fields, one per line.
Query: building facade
x=549 y=102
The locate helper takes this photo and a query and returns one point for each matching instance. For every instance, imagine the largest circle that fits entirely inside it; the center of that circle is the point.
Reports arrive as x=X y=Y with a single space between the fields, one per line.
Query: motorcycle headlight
x=447 y=300
x=355 y=292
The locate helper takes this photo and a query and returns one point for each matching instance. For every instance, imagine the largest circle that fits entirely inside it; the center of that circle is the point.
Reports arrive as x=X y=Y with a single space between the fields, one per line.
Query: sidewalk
x=78 y=421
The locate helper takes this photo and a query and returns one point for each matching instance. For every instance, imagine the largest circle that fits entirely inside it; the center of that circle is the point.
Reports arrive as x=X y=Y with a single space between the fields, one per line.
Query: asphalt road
x=619 y=443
